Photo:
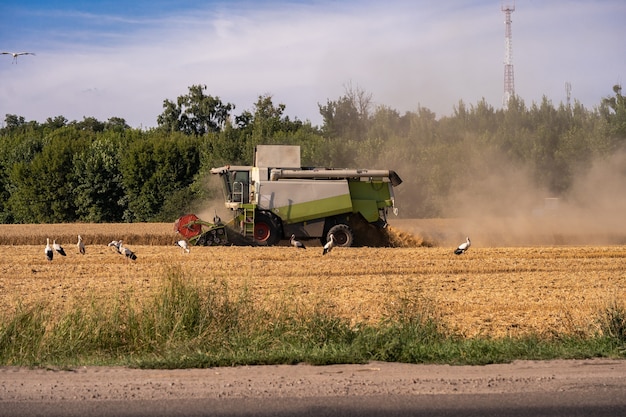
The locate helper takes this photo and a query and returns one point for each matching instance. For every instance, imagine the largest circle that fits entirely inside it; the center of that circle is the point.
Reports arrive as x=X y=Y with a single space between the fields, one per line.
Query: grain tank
x=277 y=198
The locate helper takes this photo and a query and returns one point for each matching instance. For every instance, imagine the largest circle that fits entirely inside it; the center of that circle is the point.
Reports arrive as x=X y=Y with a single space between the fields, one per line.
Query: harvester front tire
x=343 y=235
x=265 y=230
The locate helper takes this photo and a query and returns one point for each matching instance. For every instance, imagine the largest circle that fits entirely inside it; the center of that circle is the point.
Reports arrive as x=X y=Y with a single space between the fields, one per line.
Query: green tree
x=614 y=110
x=13 y=121
x=156 y=169
x=97 y=188
x=345 y=125
x=269 y=125
x=226 y=147
x=194 y=113
x=89 y=124
x=117 y=124
x=14 y=124
x=56 y=122
x=347 y=118
x=42 y=188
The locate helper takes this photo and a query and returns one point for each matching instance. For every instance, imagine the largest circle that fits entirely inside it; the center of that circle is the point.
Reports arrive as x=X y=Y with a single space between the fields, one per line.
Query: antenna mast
x=509 y=79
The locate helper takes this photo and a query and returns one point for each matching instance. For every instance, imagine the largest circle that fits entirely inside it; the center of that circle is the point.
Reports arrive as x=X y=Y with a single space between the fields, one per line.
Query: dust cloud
x=207 y=209
x=596 y=206
x=500 y=206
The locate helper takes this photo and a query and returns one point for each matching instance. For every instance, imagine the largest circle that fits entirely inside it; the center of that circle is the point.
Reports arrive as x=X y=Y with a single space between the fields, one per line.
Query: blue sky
x=123 y=58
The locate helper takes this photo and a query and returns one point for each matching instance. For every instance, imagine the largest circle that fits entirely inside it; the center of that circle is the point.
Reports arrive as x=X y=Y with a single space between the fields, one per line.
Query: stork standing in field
x=16 y=54
x=48 y=250
x=126 y=252
x=80 y=245
x=329 y=245
x=58 y=248
x=463 y=247
x=296 y=243
x=183 y=244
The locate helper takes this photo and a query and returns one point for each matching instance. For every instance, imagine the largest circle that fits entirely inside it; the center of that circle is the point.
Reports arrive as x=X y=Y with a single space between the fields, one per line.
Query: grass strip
x=186 y=326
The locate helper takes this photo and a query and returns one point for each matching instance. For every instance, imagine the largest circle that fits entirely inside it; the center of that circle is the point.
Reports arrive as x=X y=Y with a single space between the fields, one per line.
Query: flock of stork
x=123 y=250
x=327 y=247
x=118 y=245
x=57 y=248
x=463 y=247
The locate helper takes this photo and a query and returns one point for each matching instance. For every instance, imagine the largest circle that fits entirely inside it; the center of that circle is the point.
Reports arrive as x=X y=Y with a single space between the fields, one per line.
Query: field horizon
x=435 y=232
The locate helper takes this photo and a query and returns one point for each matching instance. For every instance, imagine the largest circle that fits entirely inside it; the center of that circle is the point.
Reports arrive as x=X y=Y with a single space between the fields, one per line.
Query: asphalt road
x=590 y=403
x=523 y=388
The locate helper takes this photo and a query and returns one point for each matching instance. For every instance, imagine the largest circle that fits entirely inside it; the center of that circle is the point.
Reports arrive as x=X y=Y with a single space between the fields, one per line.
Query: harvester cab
x=236 y=184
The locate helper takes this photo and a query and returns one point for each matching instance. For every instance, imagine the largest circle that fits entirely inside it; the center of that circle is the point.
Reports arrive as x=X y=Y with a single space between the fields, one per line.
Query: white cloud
x=406 y=54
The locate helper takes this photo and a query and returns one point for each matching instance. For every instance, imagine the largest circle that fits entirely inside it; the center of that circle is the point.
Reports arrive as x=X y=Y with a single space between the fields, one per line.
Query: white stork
x=58 y=248
x=48 y=250
x=16 y=54
x=80 y=245
x=463 y=247
x=183 y=244
x=126 y=252
x=329 y=245
x=296 y=243
x=116 y=244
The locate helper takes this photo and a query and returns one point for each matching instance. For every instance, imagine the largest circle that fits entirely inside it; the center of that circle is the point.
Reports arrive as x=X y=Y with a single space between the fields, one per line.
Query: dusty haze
x=499 y=205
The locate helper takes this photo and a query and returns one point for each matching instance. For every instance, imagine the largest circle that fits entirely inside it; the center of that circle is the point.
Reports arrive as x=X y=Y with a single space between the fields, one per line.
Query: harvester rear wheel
x=342 y=234
x=265 y=230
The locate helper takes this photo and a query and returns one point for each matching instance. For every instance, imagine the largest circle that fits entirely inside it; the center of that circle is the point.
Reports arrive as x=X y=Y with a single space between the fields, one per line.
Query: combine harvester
x=277 y=198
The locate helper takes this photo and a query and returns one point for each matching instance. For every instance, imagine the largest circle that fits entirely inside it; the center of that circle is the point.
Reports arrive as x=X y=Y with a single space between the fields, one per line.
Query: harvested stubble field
x=489 y=291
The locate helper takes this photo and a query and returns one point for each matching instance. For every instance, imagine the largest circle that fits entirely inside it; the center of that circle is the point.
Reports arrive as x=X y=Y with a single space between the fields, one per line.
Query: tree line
x=105 y=171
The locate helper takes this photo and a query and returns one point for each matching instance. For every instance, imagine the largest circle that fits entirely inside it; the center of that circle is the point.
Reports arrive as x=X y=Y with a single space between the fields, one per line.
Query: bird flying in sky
x=16 y=54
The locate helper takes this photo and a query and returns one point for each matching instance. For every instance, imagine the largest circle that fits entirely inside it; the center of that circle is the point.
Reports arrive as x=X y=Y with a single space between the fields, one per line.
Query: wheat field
x=489 y=291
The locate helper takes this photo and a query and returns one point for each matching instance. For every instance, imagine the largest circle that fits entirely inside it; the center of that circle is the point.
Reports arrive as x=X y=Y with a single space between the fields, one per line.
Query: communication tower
x=509 y=79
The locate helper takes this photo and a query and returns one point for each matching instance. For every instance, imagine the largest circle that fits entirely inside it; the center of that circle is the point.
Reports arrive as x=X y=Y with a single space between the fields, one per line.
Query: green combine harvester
x=277 y=198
